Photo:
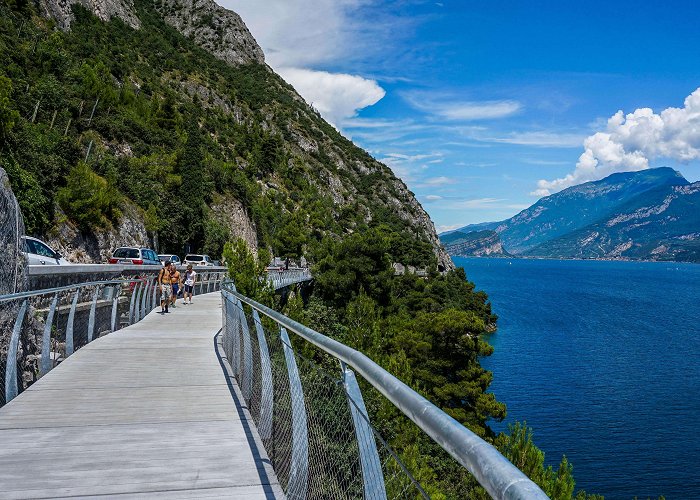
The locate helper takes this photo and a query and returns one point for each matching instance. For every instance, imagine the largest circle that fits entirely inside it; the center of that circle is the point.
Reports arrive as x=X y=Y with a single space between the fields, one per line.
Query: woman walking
x=190 y=280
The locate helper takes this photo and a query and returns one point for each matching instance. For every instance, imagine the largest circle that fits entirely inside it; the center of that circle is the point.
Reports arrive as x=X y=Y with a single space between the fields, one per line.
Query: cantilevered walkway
x=150 y=410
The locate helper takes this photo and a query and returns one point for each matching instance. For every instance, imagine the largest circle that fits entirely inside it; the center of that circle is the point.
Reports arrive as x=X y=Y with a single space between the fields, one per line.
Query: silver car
x=40 y=254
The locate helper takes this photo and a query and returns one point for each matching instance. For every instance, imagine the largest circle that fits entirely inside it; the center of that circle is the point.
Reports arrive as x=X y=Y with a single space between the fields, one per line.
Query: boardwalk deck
x=148 y=411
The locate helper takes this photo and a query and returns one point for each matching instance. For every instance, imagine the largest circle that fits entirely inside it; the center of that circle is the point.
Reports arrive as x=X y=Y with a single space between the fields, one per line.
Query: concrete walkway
x=147 y=411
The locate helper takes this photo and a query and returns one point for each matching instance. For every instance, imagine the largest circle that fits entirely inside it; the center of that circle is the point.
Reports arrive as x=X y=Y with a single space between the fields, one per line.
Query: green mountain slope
x=484 y=243
x=114 y=135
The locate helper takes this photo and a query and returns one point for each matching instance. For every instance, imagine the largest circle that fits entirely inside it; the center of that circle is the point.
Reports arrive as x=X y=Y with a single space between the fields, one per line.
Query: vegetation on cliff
x=146 y=117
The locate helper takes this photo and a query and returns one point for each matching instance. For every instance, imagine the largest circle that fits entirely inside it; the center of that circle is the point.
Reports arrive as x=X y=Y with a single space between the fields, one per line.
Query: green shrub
x=88 y=199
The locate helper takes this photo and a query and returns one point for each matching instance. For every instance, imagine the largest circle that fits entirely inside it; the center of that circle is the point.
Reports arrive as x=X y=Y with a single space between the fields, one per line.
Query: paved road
x=148 y=411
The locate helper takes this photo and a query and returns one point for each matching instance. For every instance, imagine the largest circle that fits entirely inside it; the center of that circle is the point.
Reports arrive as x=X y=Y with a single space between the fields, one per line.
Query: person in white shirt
x=190 y=280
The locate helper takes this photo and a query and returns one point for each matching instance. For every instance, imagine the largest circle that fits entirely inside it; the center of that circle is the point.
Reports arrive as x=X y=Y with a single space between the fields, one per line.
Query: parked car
x=134 y=255
x=40 y=254
x=198 y=260
x=169 y=258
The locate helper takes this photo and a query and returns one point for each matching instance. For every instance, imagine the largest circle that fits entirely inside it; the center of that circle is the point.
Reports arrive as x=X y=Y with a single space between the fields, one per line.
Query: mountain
x=485 y=243
x=650 y=214
x=661 y=224
x=159 y=123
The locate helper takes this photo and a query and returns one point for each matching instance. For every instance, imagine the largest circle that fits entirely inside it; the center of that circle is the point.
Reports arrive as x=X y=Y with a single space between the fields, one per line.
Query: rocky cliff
x=485 y=243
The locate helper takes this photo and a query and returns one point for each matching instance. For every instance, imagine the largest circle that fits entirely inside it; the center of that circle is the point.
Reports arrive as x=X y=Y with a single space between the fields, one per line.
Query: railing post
x=299 y=470
x=267 y=392
x=137 y=304
x=372 y=475
x=91 y=319
x=46 y=339
x=144 y=298
x=115 y=306
x=247 y=373
x=11 y=390
x=69 y=326
x=156 y=291
x=132 y=302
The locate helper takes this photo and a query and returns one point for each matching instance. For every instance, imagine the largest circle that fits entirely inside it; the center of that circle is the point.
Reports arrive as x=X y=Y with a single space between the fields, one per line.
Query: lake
x=602 y=359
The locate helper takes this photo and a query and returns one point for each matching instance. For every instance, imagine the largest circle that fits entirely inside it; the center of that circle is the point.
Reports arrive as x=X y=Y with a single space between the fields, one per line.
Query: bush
x=88 y=199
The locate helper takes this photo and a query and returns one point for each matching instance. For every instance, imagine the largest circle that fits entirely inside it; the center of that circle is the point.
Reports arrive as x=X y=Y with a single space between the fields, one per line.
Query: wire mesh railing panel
x=331 y=466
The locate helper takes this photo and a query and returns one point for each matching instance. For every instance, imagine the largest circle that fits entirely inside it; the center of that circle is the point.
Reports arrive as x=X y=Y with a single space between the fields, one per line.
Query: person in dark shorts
x=190 y=280
x=176 y=281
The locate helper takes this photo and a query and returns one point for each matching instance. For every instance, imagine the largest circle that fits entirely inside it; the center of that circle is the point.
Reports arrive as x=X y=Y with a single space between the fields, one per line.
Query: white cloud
x=454 y=109
x=336 y=96
x=438 y=181
x=632 y=140
x=537 y=138
x=431 y=198
x=298 y=36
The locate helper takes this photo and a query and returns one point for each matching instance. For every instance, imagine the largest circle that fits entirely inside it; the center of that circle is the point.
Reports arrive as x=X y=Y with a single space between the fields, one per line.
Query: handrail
x=500 y=478
x=46 y=291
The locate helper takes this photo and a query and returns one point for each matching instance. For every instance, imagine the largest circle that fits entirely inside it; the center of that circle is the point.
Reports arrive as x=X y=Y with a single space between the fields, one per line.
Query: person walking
x=165 y=288
x=190 y=280
x=176 y=281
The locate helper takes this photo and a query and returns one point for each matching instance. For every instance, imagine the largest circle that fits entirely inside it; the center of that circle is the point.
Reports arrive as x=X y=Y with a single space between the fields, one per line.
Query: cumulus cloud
x=631 y=141
x=298 y=36
x=335 y=95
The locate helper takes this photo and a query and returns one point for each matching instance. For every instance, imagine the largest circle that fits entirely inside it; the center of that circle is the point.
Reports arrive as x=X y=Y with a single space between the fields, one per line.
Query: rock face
x=61 y=10
x=474 y=244
x=215 y=29
x=97 y=247
x=232 y=214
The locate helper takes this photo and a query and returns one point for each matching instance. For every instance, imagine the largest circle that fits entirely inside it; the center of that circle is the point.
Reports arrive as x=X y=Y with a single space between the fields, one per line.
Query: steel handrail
x=45 y=291
x=500 y=478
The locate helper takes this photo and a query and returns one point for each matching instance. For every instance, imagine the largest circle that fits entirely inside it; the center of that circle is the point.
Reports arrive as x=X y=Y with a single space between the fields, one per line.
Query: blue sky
x=481 y=107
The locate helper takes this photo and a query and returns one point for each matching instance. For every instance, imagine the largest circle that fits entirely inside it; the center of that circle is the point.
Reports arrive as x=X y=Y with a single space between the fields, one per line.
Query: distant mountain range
x=652 y=214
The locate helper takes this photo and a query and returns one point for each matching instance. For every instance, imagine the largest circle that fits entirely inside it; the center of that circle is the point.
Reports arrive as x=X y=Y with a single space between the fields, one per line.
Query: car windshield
x=194 y=258
x=126 y=253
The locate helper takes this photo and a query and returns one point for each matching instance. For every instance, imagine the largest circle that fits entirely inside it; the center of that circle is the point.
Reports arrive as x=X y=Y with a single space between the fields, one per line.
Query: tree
x=248 y=273
x=8 y=115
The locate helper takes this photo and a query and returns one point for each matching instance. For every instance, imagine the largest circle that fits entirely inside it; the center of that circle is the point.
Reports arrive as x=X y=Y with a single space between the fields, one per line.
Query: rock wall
x=61 y=10
x=97 y=247
x=217 y=30
x=231 y=212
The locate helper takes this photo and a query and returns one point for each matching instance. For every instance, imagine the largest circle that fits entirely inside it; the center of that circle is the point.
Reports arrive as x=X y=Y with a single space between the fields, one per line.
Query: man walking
x=165 y=288
x=176 y=281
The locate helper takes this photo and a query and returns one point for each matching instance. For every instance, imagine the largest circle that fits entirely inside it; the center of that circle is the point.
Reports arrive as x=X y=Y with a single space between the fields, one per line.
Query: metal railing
x=281 y=279
x=314 y=424
x=41 y=328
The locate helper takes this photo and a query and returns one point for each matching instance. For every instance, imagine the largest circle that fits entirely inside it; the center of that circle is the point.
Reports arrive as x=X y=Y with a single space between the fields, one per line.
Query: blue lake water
x=602 y=359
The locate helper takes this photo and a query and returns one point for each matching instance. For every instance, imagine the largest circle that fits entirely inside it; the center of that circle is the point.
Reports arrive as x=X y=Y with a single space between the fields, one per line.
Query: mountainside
x=650 y=214
x=475 y=243
x=662 y=224
x=578 y=206
x=165 y=113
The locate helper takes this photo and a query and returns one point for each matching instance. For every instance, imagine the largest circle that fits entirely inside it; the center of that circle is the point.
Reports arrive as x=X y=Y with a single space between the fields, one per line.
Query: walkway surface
x=147 y=411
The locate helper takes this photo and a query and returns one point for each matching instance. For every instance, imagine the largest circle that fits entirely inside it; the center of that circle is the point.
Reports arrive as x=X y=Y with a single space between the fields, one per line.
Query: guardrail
x=40 y=328
x=281 y=279
x=314 y=424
